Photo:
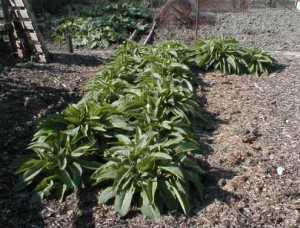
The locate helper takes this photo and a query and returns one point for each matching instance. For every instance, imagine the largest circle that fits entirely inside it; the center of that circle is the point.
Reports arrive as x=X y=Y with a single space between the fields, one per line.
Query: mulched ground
x=253 y=128
x=269 y=28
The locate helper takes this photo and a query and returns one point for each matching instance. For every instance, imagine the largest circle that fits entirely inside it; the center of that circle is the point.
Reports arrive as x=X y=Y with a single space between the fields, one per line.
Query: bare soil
x=252 y=129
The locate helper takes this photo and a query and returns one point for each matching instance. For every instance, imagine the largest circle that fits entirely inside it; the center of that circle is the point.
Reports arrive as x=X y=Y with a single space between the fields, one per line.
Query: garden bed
x=253 y=130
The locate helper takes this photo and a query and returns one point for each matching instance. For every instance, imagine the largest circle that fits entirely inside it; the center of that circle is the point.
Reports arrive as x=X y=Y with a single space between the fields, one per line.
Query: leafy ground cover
x=101 y=25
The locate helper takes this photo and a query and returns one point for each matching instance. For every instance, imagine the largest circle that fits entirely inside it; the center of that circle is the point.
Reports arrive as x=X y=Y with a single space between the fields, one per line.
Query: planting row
x=132 y=134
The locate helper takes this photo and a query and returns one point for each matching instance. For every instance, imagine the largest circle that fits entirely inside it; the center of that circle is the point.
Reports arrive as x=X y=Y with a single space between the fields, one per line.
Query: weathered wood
x=23 y=13
x=37 y=32
x=17 y=3
x=197 y=19
x=25 y=32
x=133 y=35
x=1 y=13
x=28 y=25
x=69 y=42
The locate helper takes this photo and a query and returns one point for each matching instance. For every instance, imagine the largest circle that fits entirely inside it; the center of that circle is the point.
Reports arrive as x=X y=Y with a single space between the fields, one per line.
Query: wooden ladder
x=23 y=31
x=2 y=18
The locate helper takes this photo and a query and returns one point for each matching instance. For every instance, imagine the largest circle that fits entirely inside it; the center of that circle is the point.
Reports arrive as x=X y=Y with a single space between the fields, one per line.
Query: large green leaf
x=106 y=195
x=123 y=201
x=181 y=195
x=176 y=171
x=149 y=209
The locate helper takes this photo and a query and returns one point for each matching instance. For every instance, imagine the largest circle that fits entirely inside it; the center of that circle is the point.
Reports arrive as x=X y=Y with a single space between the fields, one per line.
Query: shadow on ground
x=78 y=59
x=87 y=200
x=21 y=104
x=214 y=178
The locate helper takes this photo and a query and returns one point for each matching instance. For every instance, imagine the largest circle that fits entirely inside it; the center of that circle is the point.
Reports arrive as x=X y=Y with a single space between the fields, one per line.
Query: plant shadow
x=22 y=104
x=209 y=122
x=87 y=200
x=78 y=59
x=214 y=177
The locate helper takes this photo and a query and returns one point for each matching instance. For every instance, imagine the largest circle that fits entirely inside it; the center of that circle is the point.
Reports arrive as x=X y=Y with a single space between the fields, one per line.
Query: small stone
x=256 y=147
x=222 y=182
x=280 y=170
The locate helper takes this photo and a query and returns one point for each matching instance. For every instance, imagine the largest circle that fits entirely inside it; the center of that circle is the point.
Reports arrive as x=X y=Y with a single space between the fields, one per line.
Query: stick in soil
x=133 y=35
x=197 y=20
x=151 y=33
x=70 y=43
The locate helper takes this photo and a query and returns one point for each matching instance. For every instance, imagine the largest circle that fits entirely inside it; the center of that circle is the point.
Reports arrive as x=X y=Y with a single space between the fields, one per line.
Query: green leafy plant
x=258 y=62
x=218 y=54
x=227 y=56
x=57 y=166
x=152 y=173
x=61 y=147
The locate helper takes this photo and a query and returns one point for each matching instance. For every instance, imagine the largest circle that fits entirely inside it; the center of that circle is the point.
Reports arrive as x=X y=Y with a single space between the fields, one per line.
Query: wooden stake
x=133 y=35
x=197 y=20
x=70 y=43
x=151 y=33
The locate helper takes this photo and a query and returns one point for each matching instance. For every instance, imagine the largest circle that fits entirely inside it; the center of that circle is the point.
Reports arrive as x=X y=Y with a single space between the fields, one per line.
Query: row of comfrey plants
x=132 y=135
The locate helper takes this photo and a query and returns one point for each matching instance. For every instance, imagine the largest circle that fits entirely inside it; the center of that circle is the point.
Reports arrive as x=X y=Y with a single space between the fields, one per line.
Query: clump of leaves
x=219 y=55
x=62 y=147
x=258 y=62
x=228 y=57
x=102 y=25
x=152 y=173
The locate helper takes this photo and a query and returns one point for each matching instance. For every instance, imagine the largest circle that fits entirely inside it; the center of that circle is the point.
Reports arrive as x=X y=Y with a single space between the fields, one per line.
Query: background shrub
x=101 y=25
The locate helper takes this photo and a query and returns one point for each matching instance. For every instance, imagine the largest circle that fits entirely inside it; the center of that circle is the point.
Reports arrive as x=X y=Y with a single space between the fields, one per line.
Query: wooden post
x=69 y=42
x=197 y=20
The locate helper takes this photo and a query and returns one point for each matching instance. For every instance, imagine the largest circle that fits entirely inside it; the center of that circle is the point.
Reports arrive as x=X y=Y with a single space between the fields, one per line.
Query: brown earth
x=253 y=127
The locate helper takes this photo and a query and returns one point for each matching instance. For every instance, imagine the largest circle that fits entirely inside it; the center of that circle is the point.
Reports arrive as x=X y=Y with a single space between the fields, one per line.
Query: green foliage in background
x=132 y=135
x=101 y=25
x=228 y=57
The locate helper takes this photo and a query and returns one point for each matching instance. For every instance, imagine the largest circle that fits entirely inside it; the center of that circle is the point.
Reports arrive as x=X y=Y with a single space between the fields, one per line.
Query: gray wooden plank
x=2 y=27
x=28 y=25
